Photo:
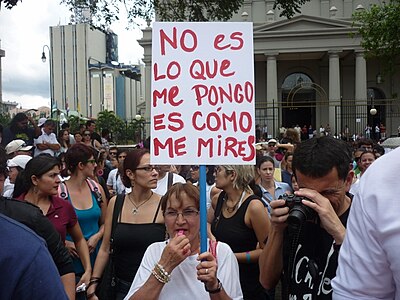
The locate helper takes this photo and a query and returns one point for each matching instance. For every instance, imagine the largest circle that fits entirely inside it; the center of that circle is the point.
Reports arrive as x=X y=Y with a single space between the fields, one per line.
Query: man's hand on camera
x=279 y=214
x=327 y=215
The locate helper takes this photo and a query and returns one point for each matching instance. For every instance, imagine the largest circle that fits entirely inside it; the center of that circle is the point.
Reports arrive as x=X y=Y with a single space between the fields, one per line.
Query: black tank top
x=130 y=243
x=234 y=232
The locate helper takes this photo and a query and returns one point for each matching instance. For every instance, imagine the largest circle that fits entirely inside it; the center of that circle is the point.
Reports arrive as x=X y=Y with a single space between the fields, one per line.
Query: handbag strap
x=119 y=201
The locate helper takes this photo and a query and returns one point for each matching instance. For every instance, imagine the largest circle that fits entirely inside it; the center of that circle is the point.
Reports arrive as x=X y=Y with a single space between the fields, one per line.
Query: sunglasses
x=92 y=161
x=113 y=153
x=86 y=134
x=195 y=168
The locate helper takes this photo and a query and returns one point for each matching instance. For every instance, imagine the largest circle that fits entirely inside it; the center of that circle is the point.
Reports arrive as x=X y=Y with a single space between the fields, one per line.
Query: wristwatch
x=217 y=290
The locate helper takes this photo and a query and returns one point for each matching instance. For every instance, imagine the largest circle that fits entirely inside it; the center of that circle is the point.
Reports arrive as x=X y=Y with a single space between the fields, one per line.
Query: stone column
x=361 y=99
x=272 y=93
x=334 y=89
x=146 y=43
x=361 y=77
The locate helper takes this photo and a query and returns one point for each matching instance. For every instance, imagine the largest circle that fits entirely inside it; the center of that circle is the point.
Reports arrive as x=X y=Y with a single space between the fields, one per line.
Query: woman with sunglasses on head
x=139 y=223
x=38 y=184
x=86 y=196
x=175 y=269
x=240 y=220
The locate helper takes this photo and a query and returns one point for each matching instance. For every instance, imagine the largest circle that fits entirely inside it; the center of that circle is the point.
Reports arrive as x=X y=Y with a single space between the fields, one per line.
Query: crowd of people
x=274 y=229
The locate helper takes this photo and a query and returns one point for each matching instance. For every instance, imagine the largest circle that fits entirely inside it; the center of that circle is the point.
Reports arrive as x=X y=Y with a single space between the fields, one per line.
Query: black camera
x=298 y=212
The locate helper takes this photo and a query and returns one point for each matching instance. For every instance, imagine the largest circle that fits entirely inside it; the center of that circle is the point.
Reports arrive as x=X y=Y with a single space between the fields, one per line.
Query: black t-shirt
x=27 y=135
x=310 y=264
x=96 y=136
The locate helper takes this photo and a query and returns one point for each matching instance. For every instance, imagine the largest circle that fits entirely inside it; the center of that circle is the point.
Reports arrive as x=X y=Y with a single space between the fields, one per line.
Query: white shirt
x=114 y=180
x=184 y=283
x=8 y=187
x=208 y=192
x=49 y=139
x=369 y=260
x=162 y=184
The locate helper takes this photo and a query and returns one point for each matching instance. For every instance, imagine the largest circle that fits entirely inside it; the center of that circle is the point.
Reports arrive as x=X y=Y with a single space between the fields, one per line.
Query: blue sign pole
x=203 y=209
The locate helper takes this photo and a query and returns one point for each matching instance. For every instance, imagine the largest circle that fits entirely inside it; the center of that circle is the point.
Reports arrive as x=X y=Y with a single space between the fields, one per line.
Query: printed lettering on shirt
x=303 y=279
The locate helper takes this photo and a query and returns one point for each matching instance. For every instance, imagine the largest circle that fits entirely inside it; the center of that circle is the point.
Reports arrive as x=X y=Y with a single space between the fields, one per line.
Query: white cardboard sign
x=202 y=102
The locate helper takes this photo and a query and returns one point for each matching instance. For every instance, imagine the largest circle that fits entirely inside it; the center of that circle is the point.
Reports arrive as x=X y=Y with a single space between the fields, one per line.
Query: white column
x=272 y=93
x=146 y=43
x=361 y=77
x=361 y=91
x=334 y=88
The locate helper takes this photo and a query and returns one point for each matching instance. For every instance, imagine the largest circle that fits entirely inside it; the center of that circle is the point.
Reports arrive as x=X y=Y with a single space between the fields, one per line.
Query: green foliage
x=5 y=119
x=109 y=120
x=289 y=7
x=197 y=11
x=379 y=29
x=105 y=12
x=74 y=123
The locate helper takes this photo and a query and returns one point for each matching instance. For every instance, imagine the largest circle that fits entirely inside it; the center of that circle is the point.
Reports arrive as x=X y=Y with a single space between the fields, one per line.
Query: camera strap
x=294 y=233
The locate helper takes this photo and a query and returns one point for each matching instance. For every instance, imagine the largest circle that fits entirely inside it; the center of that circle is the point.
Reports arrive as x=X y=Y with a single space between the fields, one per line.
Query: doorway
x=298 y=101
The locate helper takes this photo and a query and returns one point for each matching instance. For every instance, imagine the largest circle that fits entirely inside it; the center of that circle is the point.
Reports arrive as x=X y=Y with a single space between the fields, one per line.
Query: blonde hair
x=244 y=175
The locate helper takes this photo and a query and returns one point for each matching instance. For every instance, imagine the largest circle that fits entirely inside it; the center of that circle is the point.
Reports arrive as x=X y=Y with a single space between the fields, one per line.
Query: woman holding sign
x=174 y=269
x=241 y=221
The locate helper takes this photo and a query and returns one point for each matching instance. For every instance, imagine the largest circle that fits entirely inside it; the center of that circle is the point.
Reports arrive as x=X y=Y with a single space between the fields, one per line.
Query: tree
x=107 y=119
x=105 y=12
x=378 y=27
x=74 y=123
x=289 y=7
x=5 y=119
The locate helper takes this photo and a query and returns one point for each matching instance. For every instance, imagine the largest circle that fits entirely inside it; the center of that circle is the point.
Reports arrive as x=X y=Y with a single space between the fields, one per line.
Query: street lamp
x=139 y=120
x=373 y=110
x=50 y=76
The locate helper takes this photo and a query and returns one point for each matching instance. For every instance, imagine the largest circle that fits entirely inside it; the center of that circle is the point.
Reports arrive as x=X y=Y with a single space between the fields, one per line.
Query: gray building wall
x=89 y=90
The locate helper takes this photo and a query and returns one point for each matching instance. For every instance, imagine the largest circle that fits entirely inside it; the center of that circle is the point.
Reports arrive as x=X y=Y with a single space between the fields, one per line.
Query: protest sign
x=202 y=105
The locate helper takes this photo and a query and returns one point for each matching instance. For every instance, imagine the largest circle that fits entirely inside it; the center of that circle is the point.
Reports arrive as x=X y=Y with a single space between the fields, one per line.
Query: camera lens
x=297 y=216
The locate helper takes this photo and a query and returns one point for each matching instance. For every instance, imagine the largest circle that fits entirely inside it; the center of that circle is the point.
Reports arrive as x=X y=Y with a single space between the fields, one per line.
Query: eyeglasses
x=92 y=161
x=148 y=168
x=186 y=214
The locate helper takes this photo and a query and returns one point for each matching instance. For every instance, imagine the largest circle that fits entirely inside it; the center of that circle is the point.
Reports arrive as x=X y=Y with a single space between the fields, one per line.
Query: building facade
x=86 y=75
x=310 y=70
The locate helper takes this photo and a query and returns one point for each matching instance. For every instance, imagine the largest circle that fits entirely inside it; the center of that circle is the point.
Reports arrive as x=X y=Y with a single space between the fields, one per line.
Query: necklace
x=135 y=209
x=230 y=209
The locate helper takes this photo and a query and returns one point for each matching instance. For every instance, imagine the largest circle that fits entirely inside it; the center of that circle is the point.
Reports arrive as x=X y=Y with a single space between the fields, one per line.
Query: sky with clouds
x=23 y=32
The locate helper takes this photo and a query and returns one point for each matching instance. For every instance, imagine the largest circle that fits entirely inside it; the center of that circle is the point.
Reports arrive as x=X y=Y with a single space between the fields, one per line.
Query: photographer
x=304 y=251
